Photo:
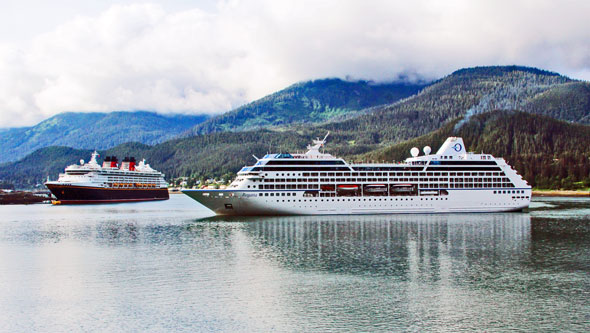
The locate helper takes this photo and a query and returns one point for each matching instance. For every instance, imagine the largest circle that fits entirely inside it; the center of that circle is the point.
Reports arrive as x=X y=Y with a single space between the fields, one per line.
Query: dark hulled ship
x=88 y=183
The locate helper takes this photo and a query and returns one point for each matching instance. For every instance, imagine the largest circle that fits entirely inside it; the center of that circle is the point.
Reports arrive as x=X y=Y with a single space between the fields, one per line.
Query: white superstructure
x=111 y=175
x=451 y=180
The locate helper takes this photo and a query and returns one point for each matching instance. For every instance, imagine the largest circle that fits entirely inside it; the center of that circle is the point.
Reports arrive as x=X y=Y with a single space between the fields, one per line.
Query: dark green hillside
x=470 y=93
x=569 y=101
x=93 y=131
x=548 y=153
x=492 y=71
x=467 y=91
x=309 y=102
x=213 y=155
x=35 y=167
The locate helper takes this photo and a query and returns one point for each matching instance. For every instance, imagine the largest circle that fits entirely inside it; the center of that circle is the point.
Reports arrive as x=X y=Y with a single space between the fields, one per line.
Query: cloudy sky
x=207 y=56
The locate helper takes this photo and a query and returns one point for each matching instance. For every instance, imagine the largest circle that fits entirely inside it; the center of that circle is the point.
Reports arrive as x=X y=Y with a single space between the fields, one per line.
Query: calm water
x=163 y=266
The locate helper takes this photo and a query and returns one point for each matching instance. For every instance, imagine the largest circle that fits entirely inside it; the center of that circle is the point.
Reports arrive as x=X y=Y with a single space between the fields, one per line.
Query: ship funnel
x=125 y=163
x=453 y=146
x=107 y=162
x=114 y=161
x=132 y=164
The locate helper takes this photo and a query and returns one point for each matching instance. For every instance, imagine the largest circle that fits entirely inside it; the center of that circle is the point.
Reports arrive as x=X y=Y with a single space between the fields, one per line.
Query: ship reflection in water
x=403 y=245
x=153 y=267
x=448 y=248
x=425 y=272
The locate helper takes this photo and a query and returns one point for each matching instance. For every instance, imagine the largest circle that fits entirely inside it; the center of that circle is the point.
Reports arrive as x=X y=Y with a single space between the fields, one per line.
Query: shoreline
x=560 y=193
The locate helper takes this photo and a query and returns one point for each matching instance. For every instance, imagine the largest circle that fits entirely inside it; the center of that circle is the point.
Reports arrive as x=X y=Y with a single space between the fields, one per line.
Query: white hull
x=230 y=202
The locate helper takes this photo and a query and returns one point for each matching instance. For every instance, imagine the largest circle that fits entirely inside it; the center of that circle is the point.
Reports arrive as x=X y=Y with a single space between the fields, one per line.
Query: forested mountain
x=569 y=101
x=310 y=102
x=34 y=168
x=93 y=131
x=548 y=153
x=210 y=155
x=460 y=103
x=465 y=92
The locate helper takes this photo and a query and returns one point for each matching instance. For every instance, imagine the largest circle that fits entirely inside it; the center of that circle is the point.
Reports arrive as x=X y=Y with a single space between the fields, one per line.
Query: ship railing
x=313 y=157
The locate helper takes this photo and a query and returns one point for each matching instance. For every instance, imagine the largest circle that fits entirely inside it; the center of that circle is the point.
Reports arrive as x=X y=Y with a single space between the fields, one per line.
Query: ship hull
x=251 y=203
x=70 y=194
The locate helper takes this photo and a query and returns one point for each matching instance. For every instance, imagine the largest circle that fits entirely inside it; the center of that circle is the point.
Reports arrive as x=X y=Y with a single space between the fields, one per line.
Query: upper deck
x=452 y=156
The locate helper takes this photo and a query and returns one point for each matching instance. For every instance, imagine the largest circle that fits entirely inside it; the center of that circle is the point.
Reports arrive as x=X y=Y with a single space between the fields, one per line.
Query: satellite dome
x=427 y=150
x=414 y=152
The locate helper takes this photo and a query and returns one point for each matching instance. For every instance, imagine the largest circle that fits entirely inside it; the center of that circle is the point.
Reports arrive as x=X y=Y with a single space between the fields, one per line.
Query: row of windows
x=340 y=162
x=125 y=174
x=385 y=199
x=463 y=168
x=388 y=168
x=305 y=162
x=463 y=163
x=361 y=180
x=130 y=180
x=348 y=199
x=390 y=174
x=429 y=186
x=509 y=192
x=300 y=168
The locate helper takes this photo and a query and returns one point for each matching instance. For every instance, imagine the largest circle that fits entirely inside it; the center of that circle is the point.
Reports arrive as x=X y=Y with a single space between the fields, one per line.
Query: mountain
x=35 y=167
x=310 y=102
x=94 y=131
x=568 y=101
x=450 y=103
x=213 y=154
x=464 y=93
x=548 y=153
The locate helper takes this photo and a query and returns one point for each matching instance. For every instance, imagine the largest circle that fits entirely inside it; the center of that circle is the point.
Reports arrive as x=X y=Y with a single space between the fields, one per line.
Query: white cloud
x=147 y=56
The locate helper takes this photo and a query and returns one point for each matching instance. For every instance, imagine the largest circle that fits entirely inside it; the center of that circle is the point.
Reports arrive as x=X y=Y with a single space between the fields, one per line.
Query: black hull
x=86 y=195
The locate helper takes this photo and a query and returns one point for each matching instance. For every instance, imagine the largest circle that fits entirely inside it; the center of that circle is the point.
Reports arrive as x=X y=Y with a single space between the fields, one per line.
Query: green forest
x=536 y=120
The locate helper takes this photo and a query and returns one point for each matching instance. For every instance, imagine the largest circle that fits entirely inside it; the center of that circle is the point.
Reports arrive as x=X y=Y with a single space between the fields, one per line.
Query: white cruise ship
x=452 y=180
x=110 y=182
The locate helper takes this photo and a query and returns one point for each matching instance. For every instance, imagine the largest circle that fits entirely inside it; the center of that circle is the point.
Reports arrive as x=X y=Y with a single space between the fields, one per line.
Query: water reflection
x=130 y=266
x=425 y=246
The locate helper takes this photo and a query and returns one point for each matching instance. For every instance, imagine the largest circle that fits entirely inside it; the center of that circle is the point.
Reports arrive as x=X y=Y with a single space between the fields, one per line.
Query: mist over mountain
x=462 y=93
x=524 y=114
x=310 y=102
